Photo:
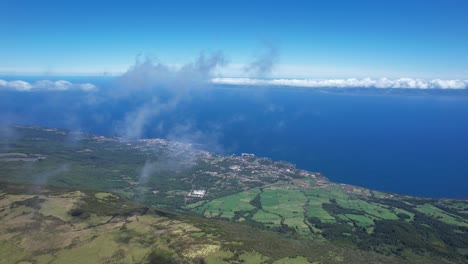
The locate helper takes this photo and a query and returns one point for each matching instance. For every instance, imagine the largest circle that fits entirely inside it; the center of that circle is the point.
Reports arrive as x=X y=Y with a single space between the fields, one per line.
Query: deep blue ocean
x=398 y=141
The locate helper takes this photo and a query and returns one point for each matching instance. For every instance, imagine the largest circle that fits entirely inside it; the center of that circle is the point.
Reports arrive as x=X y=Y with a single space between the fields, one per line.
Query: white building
x=235 y=167
x=197 y=193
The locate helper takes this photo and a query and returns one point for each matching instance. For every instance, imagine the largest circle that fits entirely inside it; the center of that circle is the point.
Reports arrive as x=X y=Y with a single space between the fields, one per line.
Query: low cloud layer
x=44 y=85
x=192 y=79
x=406 y=83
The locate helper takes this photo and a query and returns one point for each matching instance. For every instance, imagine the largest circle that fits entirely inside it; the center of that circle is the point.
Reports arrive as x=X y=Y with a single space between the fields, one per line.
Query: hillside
x=81 y=190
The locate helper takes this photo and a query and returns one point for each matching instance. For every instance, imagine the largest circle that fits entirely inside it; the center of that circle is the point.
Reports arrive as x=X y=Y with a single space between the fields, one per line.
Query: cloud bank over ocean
x=61 y=85
x=383 y=83
x=406 y=83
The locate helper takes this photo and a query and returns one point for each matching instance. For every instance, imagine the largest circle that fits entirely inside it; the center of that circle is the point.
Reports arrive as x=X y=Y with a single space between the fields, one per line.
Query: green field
x=267 y=218
x=226 y=207
x=13 y=155
x=81 y=229
x=314 y=207
x=435 y=212
x=288 y=204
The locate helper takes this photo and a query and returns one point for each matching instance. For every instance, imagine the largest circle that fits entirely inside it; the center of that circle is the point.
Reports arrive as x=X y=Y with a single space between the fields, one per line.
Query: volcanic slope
x=268 y=209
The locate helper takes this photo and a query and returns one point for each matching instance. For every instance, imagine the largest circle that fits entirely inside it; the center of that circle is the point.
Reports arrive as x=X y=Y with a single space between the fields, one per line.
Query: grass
x=13 y=155
x=252 y=258
x=218 y=257
x=198 y=234
x=287 y=204
x=194 y=205
x=158 y=235
x=105 y=196
x=100 y=248
x=57 y=207
x=125 y=240
x=361 y=220
x=112 y=168
x=10 y=253
x=267 y=218
x=459 y=206
x=365 y=212
x=283 y=201
x=128 y=239
x=433 y=211
x=295 y=260
x=401 y=211
x=370 y=212
x=314 y=206
x=227 y=206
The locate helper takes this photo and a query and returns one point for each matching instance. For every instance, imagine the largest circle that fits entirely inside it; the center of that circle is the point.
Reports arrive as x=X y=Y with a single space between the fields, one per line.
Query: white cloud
x=87 y=86
x=408 y=83
x=18 y=85
x=382 y=83
x=61 y=85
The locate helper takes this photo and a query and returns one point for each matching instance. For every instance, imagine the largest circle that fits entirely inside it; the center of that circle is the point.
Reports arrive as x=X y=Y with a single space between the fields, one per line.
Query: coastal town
x=212 y=174
x=175 y=172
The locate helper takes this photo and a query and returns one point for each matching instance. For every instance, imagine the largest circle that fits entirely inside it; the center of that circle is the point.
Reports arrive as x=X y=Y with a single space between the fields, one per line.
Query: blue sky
x=315 y=39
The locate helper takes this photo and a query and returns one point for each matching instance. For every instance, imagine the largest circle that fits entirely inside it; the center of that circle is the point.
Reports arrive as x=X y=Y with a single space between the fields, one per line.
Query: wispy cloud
x=135 y=122
x=44 y=85
x=406 y=83
x=149 y=74
x=188 y=133
x=264 y=61
x=173 y=85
